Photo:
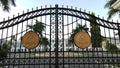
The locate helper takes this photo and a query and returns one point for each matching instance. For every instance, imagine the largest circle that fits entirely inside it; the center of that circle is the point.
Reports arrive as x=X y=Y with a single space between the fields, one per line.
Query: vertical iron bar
x=15 y=42
x=104 y=39
x=7 y=38
x=56 y=36
x=2 y=36
x=63 y=37
x=50 y=41
x=117 y=52
x=68 y=32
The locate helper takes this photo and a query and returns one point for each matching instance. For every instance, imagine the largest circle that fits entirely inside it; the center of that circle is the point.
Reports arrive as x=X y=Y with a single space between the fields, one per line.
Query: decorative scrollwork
x=61 y=11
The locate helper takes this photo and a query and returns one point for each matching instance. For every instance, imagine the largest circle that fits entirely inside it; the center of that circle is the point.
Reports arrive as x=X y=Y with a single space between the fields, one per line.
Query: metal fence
x=59 y=24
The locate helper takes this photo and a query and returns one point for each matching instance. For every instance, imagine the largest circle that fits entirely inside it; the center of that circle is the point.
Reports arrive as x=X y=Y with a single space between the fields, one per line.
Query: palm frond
x=37 y=27
x=5 y=4
x=13 y=2
x=109 y=3
x=70 y=41
x=112 y=12
x=44 y=41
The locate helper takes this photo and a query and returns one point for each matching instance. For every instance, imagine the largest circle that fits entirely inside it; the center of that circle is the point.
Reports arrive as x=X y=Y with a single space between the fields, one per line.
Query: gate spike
x=67 y=6
x=84 y=10
x=103 y=18
x=41 y=7
x=75 y=8
x=3 y=19
x=32 y=9
x=36 y=8
x=98 y=16
x=27 y=10
x=13 y=16
x=71 y=7
x=112 y=20
x=80 y=9
x=23 y=12
x=50 y=6
x=45 y=6
x=62 y=6
x=117 y=21
x=89 y=12
x=18 y=14
x=8 y=17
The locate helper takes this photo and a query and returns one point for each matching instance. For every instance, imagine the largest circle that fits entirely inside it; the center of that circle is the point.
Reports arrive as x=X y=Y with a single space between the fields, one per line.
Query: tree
x=96 y=37
x=74 y=31
x=111 y=46
x=39 y=27
x=5 y=4
x=111 y=11
x=5 y=47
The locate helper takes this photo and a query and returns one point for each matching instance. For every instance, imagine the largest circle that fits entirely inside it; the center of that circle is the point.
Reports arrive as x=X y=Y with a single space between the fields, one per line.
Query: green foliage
x=69 y=49
x=109 y=3
x=5 y=47
x=96 y=37
x=111 y=11
x=39 y=27
x=46 y=48
x=80 y=28
x=5 y=4
x=111 y=46
x=44 y=41
x=4 y=50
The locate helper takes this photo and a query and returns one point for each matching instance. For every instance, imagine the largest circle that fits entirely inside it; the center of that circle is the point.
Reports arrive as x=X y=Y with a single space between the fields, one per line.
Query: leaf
x=5 y=4
x=112 y=12
x=109 y=3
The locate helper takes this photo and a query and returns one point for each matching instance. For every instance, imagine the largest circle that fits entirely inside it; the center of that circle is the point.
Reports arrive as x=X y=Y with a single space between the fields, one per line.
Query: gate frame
x=57 y=11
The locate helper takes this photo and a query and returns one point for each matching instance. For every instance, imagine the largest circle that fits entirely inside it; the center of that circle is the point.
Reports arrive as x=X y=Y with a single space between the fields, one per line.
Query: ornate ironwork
x=52 y=10
x=59 y=53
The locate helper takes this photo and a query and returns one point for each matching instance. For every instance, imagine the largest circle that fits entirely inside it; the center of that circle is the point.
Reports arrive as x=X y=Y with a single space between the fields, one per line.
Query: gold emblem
x=82 y=39
x=30 y=40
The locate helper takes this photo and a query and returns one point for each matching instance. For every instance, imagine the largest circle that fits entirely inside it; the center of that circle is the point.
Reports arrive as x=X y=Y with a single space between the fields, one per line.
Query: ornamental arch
x=59 y=24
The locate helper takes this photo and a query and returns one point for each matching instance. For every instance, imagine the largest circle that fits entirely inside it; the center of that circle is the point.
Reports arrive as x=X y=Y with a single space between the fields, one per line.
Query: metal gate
x=59 y=23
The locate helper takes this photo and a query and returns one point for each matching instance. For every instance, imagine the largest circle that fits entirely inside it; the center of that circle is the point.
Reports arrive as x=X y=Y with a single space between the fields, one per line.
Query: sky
x=96 y=6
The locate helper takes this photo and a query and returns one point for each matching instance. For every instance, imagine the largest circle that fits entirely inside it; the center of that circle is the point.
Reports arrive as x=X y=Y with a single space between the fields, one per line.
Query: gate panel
x=60 y=23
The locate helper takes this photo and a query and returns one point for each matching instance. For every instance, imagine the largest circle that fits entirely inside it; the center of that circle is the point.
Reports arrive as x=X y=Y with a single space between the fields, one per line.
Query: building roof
x=116 y=5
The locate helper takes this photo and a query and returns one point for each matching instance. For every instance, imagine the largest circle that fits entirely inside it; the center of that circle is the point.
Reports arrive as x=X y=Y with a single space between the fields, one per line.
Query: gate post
x=56 y=36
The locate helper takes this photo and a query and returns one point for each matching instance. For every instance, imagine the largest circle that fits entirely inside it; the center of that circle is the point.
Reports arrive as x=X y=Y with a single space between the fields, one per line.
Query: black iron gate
x=59 y=25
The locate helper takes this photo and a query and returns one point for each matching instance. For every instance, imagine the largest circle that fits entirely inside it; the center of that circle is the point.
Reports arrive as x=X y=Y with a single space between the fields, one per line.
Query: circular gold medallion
x=30 y=40
x=82 y=39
